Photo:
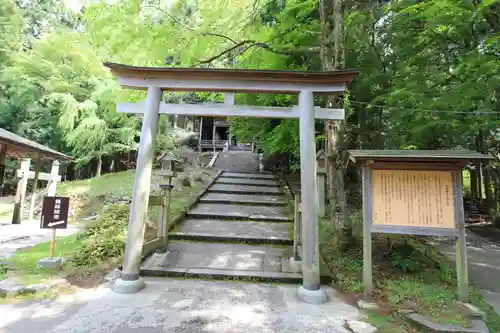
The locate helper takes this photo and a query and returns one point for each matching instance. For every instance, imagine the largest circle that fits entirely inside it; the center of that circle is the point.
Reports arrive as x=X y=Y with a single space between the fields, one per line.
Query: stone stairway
x=238 y=230
x=237 y=161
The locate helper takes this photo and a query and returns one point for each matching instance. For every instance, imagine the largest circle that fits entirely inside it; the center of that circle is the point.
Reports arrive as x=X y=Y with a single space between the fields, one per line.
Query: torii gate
x=230 y=81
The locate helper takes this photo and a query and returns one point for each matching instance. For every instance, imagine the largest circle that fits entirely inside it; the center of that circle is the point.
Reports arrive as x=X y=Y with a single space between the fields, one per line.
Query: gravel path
x=181 y=306
x=17 y=236
x=483 y=262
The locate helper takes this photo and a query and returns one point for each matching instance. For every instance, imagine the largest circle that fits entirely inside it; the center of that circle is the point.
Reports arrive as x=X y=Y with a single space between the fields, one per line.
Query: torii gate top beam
x=231 y=80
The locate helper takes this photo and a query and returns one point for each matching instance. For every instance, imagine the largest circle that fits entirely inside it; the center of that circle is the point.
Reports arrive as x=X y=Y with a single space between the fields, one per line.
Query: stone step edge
x=205 y=237
x=254 y=218
x=245 y=203
x=223 y=181
x=224 y=274
x=249 y=177
x=211 y=190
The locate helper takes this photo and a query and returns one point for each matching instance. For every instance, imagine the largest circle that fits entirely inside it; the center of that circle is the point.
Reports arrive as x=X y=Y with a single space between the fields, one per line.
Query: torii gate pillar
x=310 y=291
x=130 y=281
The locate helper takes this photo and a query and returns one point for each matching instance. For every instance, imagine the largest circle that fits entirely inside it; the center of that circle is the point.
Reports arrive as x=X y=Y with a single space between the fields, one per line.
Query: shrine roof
x=17 y=147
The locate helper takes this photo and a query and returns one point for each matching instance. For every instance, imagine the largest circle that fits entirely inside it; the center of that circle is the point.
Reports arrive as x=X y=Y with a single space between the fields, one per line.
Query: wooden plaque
x=413 y=198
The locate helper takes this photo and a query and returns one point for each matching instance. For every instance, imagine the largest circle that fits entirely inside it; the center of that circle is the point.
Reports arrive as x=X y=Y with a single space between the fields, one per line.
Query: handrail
x=212 y=161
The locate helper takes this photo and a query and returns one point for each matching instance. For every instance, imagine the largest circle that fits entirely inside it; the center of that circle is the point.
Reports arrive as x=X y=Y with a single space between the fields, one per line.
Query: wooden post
x=296 y=227
x=473 y=184
x=38 y=163
x=201 y=134
x=3 y=152
x=488 y=190
x=17 y=215
x=51 y=192
x=367 y=235
x=479 y=174
x=52 y=185
x=167 y=213
x=213 y=134
x=53 y=243
x=161 y=230
x=229 y=100
x=461 y=245
x=320 y=180
x=164 y=213
x=130 y=281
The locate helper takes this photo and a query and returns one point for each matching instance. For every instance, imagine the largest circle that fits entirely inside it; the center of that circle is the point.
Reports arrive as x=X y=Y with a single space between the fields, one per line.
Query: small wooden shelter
x=17 y=147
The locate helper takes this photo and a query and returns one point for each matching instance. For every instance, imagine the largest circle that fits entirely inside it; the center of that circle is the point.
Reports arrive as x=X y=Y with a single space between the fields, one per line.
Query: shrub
x=197 y=176
x=185 y=181
x=103 y=239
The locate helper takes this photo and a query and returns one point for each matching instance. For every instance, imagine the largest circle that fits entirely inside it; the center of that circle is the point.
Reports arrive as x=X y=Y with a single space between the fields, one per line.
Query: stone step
x=242 y=261
x=248 y=175
x=239 y=212
x=246 y=181
x=245 y=189
x=234 y=231
x=224 y=274
x=242 y=239
x=248 y=199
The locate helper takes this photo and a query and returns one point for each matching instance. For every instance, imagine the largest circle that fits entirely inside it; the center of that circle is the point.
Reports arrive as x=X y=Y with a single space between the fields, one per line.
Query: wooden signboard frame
x=432 y=164
x=458 y=231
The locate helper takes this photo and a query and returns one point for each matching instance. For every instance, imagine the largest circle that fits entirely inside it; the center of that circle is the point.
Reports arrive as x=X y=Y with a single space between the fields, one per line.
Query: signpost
x=416 y=193
x=54 y=216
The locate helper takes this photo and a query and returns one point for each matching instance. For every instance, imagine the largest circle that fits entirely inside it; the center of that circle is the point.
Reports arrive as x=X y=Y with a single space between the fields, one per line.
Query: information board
x=413 y=198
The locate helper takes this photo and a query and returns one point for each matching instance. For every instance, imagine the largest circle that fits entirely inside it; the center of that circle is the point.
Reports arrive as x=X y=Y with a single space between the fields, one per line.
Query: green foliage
x=103 y=240
x=416 y=60
x=25 y=259
x=11 y=24
x=407 y=263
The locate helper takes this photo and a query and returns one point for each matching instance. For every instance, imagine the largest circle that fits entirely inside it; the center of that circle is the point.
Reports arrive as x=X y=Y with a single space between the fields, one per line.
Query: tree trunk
x=479 y=171
x=479 y=175
x=326 y=54
x=473 y=184
x=99 y=166
x=487 y=187
x=333 y=58
x=496 y=177
x=485 y=172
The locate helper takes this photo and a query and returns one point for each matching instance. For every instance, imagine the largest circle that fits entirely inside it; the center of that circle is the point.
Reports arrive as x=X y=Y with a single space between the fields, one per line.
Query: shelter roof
x=359 y=156
x=17 y=146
